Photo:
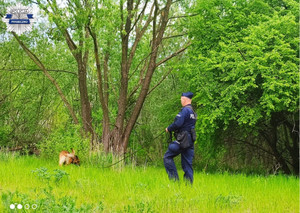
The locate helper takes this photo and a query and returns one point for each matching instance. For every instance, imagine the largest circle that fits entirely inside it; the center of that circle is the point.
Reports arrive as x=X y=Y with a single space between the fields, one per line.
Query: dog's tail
x=71 y=155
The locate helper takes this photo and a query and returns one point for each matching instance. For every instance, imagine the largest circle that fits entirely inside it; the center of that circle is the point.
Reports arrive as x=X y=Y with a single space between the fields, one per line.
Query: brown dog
x=67 y=158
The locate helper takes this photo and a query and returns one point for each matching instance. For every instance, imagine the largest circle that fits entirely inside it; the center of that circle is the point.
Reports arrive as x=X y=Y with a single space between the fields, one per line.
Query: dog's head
x=74 y=158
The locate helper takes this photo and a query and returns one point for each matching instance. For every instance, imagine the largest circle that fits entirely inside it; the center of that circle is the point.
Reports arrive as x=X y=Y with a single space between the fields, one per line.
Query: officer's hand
x=167 y=130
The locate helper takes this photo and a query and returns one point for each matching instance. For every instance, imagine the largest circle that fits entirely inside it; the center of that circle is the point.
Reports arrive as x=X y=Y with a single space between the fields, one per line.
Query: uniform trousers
x=187 y=156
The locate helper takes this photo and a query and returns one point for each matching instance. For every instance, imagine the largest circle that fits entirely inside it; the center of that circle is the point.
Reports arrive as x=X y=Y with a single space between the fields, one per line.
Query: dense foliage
x=244 y=67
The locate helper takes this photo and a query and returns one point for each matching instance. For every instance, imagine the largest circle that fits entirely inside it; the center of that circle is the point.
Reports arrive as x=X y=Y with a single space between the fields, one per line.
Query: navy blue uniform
x=185 y=120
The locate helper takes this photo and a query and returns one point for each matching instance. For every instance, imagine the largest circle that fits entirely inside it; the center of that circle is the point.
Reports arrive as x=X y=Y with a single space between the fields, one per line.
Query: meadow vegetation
x=32 y=180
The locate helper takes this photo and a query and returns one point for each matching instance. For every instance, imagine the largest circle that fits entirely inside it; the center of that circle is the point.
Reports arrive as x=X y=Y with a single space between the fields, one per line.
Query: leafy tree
x=245 y=56
x=128 y=39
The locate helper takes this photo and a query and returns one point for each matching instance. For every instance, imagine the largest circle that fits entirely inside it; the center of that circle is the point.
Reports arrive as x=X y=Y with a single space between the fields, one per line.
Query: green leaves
x=244 y=63
x=247 y=59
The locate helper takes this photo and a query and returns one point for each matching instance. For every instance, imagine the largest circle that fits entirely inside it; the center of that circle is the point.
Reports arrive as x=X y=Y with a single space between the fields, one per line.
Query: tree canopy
x=244 y=66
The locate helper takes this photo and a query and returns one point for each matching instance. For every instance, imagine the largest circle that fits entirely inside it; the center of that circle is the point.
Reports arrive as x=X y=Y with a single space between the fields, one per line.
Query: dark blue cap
x=187 y=94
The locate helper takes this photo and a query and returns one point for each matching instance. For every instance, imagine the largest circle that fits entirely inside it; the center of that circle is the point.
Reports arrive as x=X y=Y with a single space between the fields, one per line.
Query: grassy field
x=36 y=183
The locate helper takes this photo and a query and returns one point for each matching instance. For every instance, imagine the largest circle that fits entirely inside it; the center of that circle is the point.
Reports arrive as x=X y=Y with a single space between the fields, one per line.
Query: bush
x=46 y=176
x=5 y=132
x=64 y=139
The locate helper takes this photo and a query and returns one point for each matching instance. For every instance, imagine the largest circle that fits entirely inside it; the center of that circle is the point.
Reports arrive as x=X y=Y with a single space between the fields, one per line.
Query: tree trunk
x=274 y=141
x=84 y=99
x=156 y=41
x=292 y=141
x=82 y=60
x=117 y=133
x=117 y=139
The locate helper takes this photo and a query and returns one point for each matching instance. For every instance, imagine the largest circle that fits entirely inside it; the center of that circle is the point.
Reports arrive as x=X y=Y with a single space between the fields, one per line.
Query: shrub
x=64 y=139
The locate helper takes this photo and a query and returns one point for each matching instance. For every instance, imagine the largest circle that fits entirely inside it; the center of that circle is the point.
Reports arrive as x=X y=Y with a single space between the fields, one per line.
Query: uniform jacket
x=185 y=120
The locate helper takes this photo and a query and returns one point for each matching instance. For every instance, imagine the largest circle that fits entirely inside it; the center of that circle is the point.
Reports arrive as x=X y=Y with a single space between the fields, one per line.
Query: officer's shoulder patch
x=192 y=116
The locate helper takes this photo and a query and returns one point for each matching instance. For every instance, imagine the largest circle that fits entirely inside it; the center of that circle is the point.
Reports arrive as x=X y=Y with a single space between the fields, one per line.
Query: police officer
x=185 y=120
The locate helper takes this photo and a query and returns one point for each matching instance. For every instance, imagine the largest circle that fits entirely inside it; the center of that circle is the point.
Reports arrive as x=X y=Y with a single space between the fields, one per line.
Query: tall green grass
x=30 y=180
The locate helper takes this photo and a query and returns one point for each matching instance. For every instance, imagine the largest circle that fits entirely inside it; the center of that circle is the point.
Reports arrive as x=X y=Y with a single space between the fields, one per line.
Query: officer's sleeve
x=179 y=120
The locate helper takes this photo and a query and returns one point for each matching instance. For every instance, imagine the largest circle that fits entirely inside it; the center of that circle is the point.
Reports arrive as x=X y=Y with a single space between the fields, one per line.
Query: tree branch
x=3 y=99
x=163 y=78
x=106 y=83
x=242 y=54
x=172 y=55
x=86 y=54
x=137 y=19
x=174 y=36
x=98 y=67
x=138 y=38
x=254 y=145
x=140 y=81
x=122 y=15
x=49 y=70
x=36 y=60
x=184 y=16
x=71 y=44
